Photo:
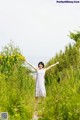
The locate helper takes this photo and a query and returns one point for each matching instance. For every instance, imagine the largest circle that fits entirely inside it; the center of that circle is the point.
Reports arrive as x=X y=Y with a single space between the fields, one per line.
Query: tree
x=10 y=57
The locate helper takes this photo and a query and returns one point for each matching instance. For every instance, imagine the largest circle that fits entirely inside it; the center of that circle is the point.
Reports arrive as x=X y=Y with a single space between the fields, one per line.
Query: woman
x=40 y=79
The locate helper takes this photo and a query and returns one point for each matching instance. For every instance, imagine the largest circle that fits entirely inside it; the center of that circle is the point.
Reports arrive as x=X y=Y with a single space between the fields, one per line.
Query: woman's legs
x=36 y=102
x=39 y=105
x=43 y=100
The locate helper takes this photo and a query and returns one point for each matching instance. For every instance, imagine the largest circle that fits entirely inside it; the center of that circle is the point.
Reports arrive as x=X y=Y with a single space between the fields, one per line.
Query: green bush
x=63 y=99
x=16 y=85
x=63 y=84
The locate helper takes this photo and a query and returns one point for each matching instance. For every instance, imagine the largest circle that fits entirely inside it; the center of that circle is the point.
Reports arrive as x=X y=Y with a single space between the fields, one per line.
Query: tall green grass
x=16 y=85
x=63 y=84
x=63 y=99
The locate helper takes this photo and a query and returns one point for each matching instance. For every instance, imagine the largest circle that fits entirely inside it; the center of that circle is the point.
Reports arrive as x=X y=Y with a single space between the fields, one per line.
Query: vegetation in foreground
x=16 y=85
x=62 y=84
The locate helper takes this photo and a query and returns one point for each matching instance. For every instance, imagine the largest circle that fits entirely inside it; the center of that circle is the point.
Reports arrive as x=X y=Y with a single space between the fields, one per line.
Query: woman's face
x=40 y=66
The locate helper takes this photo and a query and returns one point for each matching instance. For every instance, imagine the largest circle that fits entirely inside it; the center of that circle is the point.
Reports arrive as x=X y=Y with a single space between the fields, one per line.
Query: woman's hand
x=51 y=66
x=57 y=63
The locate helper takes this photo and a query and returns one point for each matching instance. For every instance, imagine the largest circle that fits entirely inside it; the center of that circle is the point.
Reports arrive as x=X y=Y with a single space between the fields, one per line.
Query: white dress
x=40 y=83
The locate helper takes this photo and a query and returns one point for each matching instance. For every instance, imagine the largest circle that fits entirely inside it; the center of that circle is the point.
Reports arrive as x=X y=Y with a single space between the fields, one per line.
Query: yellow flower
x=21 y=57
x=1 y=56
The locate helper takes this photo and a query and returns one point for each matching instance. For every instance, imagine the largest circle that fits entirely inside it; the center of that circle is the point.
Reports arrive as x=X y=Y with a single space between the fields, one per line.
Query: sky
x=40 y=28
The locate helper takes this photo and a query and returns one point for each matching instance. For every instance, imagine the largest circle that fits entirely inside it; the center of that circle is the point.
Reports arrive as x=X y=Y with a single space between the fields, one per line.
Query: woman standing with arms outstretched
x=40 y=90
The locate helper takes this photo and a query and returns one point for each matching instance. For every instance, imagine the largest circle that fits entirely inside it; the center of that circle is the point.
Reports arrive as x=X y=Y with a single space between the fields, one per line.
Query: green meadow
x=17 y=85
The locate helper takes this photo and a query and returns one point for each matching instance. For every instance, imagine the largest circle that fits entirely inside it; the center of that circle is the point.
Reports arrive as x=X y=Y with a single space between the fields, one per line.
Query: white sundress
x=40 y=83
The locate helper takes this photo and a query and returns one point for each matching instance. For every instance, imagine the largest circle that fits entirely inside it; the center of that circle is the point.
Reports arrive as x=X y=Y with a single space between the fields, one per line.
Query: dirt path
x=38 y=111
x=35 y=115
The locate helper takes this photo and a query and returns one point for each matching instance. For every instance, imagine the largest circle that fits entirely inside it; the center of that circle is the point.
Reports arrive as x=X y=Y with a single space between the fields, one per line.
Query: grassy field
x=17 y=86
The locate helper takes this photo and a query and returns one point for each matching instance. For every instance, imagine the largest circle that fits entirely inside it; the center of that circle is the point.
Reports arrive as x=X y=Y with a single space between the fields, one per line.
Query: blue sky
x=38 y=27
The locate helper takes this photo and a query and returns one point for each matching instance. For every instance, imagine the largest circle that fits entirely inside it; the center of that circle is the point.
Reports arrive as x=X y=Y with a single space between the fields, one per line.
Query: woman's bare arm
x=31 y=65
x=51 y=66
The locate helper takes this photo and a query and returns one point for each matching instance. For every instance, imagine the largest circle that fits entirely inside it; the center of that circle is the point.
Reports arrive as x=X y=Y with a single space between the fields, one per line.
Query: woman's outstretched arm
x=51 y=66
x=31 y=65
